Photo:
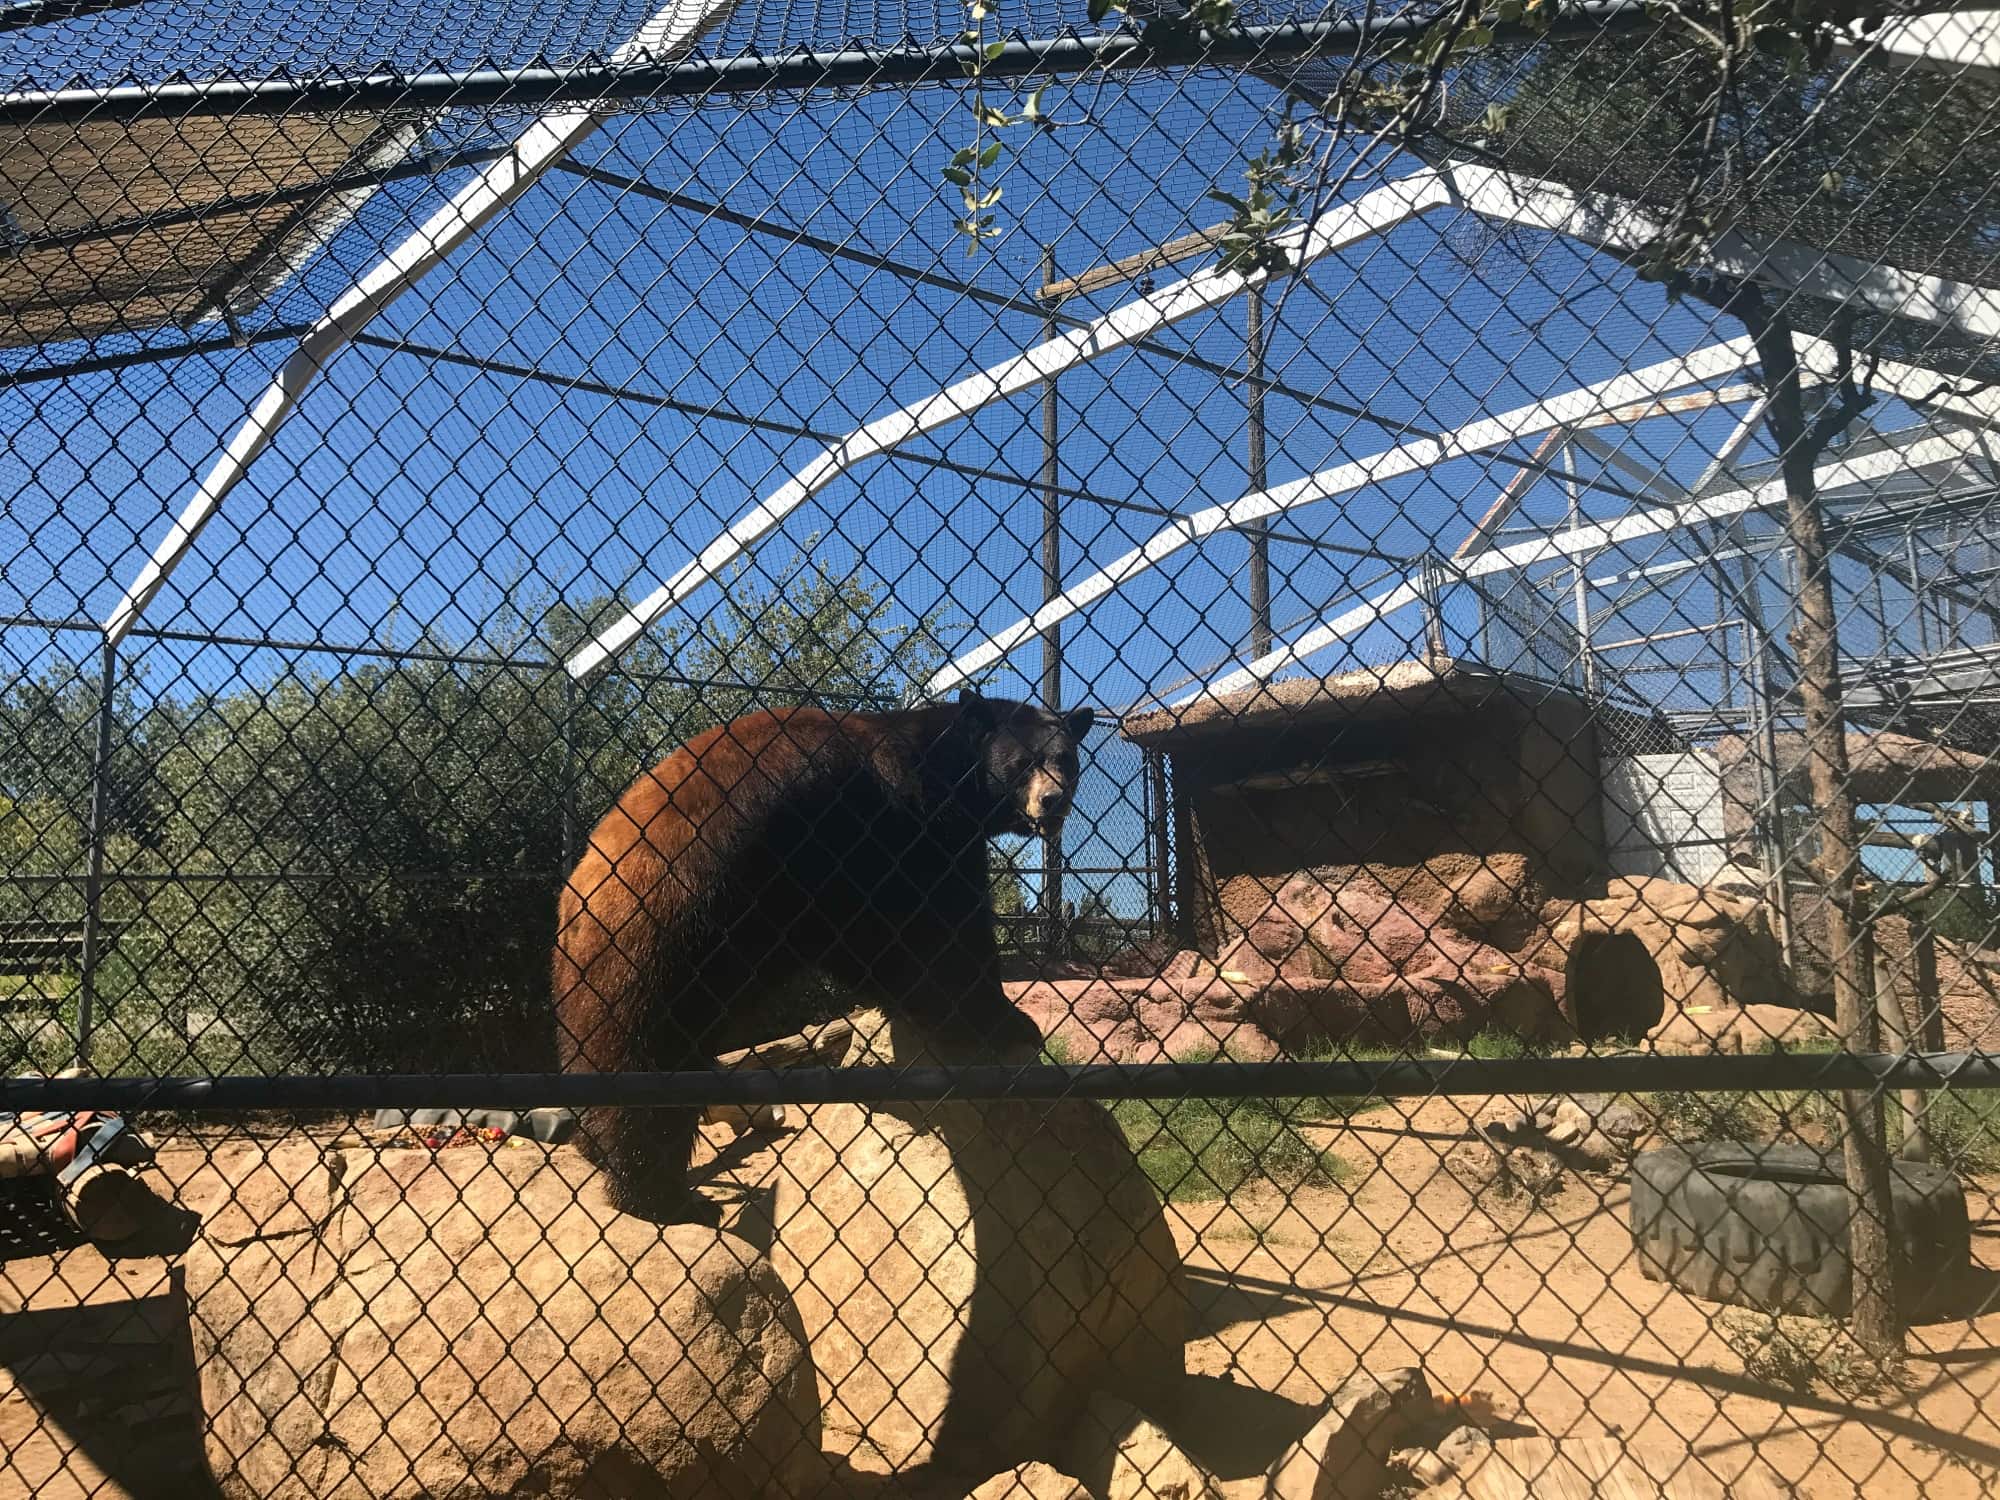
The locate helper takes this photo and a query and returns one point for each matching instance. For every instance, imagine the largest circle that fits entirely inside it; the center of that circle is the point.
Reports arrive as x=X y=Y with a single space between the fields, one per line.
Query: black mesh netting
x=668 y=828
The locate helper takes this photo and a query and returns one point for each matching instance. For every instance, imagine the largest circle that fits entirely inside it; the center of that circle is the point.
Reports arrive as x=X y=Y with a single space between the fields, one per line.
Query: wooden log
x=825 y=1045
x=745 y=1117
x=107 y=1203
x=20 y=1155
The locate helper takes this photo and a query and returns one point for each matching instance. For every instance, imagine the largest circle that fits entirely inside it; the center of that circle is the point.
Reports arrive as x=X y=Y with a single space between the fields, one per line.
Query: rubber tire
x=1766 y=1227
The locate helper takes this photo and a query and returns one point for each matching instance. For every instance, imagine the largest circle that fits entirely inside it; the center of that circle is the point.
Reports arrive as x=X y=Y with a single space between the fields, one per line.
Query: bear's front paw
x=668 y=1207
x=1004 y=1035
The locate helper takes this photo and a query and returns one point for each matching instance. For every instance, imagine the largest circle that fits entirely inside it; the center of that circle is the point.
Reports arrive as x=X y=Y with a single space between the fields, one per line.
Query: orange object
x=1475 y=1406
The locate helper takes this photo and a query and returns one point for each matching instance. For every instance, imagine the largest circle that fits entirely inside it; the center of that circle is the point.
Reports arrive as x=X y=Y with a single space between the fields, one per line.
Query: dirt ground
x=1542 y=1306
x=1547 y=1309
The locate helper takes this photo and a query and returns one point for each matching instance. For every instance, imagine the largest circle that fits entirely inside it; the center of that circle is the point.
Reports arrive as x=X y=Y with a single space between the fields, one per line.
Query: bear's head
x=1026 y=762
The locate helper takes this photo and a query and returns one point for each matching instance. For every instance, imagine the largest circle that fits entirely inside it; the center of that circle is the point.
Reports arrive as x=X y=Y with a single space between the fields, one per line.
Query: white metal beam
x=669 y=31
x=1584 y=405
x=1620 y=225
x=1958 y=42
x=1338 y=227
x=1598 y=536
x=1610 y=223
x=1653 y=481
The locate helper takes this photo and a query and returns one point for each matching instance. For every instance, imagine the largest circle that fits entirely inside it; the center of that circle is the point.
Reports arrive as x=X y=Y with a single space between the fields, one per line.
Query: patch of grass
x=1194 y=1150
x=1812 y=1046
x=1800 y=1353
x=36 y=990
x=1257 y=1229
x=1057 y=1052
x=1689 y=1116
x=1964 y=1130
x=1340 y=1106
x=1197 y=1150
x=1494 y=1043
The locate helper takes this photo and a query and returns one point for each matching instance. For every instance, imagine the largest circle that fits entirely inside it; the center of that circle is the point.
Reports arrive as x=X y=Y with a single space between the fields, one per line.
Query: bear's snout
x=1045 y=799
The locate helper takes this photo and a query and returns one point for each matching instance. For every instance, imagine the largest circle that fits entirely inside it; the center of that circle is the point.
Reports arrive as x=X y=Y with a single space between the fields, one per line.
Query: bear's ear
x=978 y=711
x=1078 y=721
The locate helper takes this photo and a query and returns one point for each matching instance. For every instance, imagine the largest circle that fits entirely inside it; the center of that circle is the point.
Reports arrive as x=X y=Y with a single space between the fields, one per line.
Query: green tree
x=368 y=860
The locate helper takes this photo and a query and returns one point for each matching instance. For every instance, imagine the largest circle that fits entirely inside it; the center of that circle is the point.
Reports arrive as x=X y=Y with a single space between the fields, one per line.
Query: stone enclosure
x=1412 y=856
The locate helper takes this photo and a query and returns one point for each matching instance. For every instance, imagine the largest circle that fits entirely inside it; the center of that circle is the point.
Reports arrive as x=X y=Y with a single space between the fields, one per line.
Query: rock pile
x=1349 y=958
x=1531 y=1147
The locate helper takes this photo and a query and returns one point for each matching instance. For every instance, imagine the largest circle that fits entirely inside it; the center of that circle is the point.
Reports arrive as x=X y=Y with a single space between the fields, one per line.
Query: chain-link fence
x=1190 y=749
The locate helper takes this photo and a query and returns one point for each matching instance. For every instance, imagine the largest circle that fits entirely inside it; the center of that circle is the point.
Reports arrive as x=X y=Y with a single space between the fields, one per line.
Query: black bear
x=784 y=843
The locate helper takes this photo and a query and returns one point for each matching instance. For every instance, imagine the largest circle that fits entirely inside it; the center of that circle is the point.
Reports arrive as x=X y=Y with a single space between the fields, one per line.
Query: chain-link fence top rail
x=1524 y=903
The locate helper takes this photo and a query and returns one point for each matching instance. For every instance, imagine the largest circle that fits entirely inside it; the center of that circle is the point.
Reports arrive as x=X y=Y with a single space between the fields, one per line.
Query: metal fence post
x=93 y=884
x=569 y=818
x=1052 y=849
x=1260 y=539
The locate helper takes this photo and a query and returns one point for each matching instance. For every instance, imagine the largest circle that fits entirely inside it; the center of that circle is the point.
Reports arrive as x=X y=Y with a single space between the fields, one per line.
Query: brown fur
x=853 y=845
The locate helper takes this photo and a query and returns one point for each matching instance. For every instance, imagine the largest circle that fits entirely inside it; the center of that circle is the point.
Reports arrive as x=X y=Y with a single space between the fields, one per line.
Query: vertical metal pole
x=1916 y=589
x=1579 y=585
x=1728 y=676
x=1883 y=645
x=93 y=884
x=1052 y=853
x=569 y=817
x=1261 y=638
x=1430 y=587
x=1163 y=875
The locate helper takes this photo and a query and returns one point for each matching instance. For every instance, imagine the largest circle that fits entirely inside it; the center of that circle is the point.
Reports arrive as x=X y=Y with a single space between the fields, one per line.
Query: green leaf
x=1496 y=119
x=1229 y=199
x=987 y=114
x=1099 y=9
x=958 y=175
x=1032 y=110
x=988 y=198
x=990 y=155
x=994 y=49
x=963 y=155
x=1510 y=11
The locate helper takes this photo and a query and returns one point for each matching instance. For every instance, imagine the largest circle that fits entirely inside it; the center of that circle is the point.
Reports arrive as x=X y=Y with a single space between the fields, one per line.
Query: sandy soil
x=1542 y=1306
x=1546 y=1308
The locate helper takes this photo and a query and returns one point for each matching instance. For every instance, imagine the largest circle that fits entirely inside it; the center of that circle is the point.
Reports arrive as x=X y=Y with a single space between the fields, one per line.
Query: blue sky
x=410 y=491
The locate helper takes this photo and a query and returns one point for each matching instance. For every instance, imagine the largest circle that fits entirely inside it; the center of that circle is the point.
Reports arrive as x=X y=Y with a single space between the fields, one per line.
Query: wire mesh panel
x=1192 y=750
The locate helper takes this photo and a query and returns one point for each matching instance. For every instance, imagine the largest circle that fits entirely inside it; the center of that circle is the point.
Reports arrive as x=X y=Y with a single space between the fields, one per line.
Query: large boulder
x=1328 y=956
x=409 y=1323
x=1711 y=948
x=969 y=1272
x=1178 y=1014
x=1651 y=956
x=1354 y=959
x=1744 y=1028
